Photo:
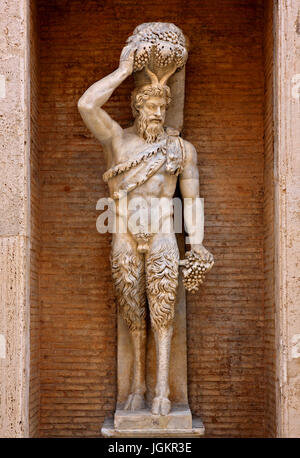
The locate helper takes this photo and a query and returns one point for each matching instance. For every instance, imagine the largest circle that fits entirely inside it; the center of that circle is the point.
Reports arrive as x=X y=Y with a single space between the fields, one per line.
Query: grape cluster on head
x=195 y=270
x=162 y=42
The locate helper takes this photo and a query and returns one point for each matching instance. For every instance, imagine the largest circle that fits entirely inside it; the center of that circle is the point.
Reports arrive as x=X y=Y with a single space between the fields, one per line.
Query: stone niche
x=228 y=117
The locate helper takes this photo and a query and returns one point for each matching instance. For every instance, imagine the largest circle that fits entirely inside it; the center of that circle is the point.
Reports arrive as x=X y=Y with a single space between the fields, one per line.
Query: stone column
x=14 y=219
x=287 y=217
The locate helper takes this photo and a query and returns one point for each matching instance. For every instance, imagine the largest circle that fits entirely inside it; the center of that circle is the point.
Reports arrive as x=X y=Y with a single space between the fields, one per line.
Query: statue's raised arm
x=103 y=127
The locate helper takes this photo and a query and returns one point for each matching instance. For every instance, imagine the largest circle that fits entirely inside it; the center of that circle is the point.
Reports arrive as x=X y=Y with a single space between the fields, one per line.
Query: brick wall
x=80 y=42
x=269 y=303
x=34 y=394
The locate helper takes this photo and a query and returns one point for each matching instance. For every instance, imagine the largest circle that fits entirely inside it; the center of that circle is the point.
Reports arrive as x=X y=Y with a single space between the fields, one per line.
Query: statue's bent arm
x=104 y=128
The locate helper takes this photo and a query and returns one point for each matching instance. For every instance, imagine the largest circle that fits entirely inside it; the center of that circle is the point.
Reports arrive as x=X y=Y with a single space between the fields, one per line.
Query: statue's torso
x=161 y=185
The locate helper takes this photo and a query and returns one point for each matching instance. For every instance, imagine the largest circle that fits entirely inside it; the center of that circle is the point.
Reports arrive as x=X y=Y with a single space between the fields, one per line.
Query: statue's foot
x=134 y=402
x=161 y=406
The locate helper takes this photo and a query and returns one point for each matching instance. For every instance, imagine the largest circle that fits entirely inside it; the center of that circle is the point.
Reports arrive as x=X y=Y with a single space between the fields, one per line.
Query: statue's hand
x=196 y=264
x=203 y=252
x=127 y=58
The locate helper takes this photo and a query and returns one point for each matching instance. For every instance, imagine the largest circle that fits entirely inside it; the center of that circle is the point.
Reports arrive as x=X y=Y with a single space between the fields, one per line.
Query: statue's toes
x=161 y=406
x=134 y=402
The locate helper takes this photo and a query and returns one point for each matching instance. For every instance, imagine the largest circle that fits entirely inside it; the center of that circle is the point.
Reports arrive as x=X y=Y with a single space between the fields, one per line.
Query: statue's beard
x=150 y=132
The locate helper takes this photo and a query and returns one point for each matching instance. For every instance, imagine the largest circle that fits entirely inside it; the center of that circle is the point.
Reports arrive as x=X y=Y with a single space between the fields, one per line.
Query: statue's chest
x=156 y=166
x=127 y=151
x=159 y=181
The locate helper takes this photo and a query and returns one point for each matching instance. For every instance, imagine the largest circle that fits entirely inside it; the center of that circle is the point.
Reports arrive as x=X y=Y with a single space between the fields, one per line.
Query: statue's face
x=151 y=118
x=154 y=110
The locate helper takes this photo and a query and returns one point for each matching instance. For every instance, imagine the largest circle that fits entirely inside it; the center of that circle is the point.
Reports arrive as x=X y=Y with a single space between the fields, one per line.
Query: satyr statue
x=145 y=161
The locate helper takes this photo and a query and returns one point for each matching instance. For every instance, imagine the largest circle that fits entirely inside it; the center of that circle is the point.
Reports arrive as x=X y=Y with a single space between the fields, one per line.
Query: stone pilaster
x=14 y=218
x=287 y=220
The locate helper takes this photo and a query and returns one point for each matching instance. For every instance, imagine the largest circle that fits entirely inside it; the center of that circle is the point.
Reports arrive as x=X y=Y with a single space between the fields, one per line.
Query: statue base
x=178 y=423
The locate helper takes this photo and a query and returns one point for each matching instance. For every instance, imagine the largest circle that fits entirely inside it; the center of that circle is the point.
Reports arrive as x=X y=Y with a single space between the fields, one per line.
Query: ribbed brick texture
x=269 y=302
x=34 y=395
x=81 y=43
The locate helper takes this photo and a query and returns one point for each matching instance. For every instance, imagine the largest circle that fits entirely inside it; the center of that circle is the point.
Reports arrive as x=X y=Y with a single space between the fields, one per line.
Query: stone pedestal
x=179 y=417
x=179 y=423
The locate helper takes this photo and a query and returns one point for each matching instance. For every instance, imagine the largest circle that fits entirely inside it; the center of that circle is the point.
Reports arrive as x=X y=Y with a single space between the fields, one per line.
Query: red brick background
x=80 y=42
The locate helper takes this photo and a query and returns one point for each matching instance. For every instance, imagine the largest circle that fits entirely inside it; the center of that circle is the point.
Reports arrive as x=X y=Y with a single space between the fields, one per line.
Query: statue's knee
x=162 y=305
x=137 y=324
x=161 y=322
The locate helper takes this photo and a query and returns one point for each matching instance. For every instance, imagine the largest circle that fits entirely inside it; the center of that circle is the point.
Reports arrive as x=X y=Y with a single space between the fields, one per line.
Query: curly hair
x=129 y=284
x=143 y=93
x=162 y=281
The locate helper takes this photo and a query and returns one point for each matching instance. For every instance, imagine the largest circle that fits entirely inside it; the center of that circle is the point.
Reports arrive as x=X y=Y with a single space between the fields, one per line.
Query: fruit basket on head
x=162 y=48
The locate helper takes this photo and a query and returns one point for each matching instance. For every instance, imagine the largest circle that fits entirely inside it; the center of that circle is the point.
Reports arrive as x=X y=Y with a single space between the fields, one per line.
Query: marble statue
x=145 y=161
